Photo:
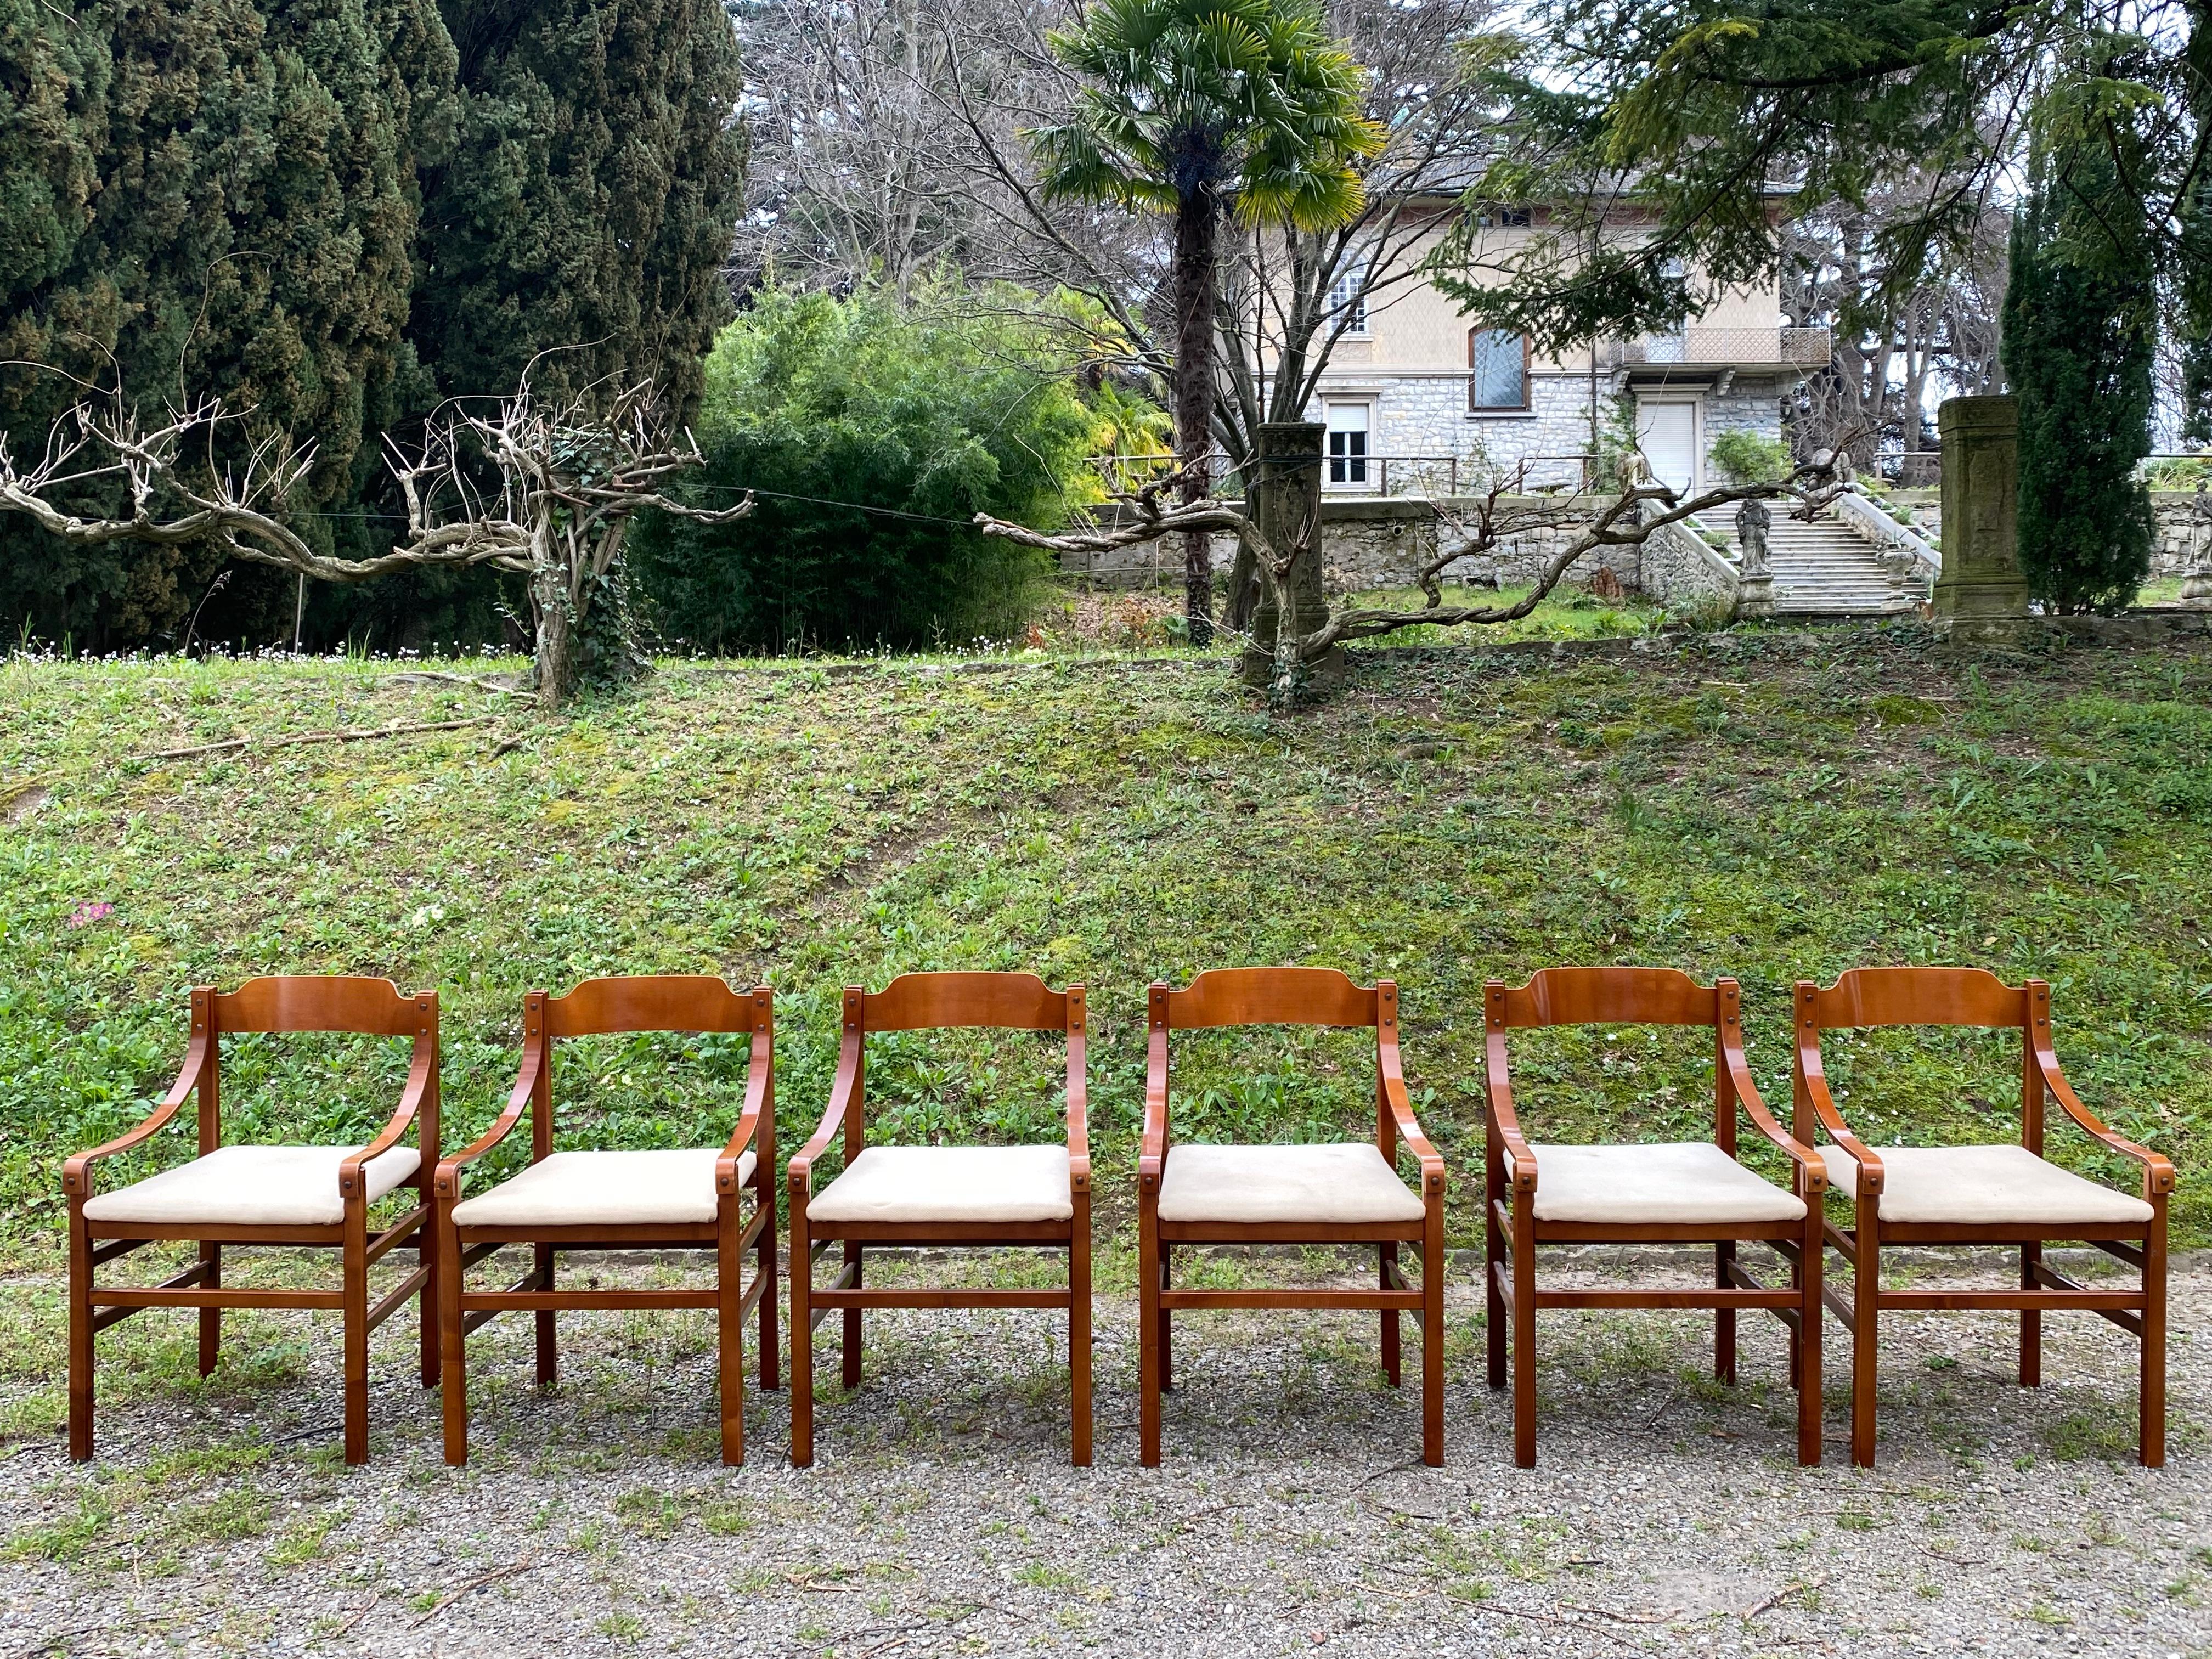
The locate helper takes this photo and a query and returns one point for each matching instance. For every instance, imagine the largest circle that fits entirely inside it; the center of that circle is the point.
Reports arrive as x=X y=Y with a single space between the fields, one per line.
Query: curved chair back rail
x=581 y=1202
x=1267 y=996
x=681 y=1003
x=1628 y=1195
x=336 y=1002
x=1864 y=997
x=1607 y=996
x=1345 y=1194
x=266 y=1195
x=894 y=1211
x=2018 y=1200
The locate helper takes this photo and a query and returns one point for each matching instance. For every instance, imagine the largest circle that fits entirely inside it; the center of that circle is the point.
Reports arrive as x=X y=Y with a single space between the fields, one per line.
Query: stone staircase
x=1821 y=569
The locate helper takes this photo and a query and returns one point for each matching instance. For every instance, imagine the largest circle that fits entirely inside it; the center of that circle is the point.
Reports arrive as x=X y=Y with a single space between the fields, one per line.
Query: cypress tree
x=2078 y=343
x=589 y=201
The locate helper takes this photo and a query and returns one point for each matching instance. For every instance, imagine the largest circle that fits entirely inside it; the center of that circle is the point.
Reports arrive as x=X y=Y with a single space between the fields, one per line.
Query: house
x=1416 y=397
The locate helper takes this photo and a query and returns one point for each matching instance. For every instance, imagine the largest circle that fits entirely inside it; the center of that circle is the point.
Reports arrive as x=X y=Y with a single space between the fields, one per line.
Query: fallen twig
x=507 y=745
x=475 y=1583
x=356 y=734
x=374 y=1596
x=1780 y=1595
x=414 y=674
x=1564 y=1624
x=1658 y=1617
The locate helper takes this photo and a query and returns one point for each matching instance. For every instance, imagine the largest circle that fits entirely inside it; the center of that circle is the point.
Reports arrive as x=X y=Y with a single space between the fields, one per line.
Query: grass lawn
x=1771 y=804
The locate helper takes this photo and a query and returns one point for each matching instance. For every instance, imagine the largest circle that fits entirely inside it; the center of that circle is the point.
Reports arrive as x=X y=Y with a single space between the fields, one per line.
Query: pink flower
x=92 y=910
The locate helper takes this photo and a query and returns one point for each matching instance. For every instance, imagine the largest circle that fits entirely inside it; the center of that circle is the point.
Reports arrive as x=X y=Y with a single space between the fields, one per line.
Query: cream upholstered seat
x=1329 y=1183
x=949 y=1183
x=252 y=1186
x=1688 y=1182
x=1982 y=1186
x=603 y=1189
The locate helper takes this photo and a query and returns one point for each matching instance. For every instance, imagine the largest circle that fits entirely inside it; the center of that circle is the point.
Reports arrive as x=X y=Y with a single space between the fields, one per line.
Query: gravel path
x=942 y=1518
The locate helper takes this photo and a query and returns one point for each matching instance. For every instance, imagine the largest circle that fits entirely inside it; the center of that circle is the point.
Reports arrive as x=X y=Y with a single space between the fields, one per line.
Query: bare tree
x=545 y=491
x=1576 y=527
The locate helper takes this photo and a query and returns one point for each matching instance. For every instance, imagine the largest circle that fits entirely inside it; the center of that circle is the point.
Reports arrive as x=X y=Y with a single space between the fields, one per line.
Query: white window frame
x=1350 y=291
x=1348 y=471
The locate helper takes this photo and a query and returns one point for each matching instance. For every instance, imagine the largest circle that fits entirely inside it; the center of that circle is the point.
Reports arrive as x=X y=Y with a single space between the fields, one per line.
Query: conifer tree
x=2079 y=341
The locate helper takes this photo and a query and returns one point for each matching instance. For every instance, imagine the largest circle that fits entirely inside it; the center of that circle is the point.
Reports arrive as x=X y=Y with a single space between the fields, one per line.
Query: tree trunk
x=1197 y=221
x=557 y=659
x=1285 y=508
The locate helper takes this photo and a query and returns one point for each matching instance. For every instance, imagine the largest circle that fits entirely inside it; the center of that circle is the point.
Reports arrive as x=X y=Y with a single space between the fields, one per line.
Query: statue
x=1754 y=593
x=1752 y=522
x=2196 y=591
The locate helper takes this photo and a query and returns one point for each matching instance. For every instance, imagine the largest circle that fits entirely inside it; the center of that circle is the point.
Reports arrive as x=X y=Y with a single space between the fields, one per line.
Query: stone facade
x=2184 y=536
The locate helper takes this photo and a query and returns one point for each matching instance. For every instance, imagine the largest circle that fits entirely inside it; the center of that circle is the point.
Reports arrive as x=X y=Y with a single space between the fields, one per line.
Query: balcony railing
x=1721 y=348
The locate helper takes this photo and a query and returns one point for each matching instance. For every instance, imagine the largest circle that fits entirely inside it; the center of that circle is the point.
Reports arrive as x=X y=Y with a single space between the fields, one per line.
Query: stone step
x=1819 y=568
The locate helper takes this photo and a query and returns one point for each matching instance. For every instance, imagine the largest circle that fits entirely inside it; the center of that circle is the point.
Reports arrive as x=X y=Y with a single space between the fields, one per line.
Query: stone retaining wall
x=2182 y=535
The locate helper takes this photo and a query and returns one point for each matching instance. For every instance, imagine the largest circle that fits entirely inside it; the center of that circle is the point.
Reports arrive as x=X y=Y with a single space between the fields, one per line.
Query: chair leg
x=1150 y=1324
x=2151 y=1381
x=849 y=1374
x=1524 y=1341
x=2031 y=1321
x=1079 y=1335
x=1805 y=1342
x=548 y=1354
x=802 y=1344
x=354 y=1315
x=453 y=1387
x=771 y=1360
x=1723 y=1318
x=80 y=1340
x=428 y=1256
x=730 y=1332
x=1166 y=1331
x=1866 y=1315
x=1493 y=1255
x=210 y=1318
x=1432 y=1337
x=1391 y=1367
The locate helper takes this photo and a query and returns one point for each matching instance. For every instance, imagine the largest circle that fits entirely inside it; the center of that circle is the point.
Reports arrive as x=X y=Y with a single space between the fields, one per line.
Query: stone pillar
x=1284 y=503
x=1981 y=510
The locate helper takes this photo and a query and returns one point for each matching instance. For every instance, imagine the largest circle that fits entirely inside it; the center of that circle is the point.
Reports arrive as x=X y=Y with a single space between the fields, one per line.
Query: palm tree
x=1198 y=107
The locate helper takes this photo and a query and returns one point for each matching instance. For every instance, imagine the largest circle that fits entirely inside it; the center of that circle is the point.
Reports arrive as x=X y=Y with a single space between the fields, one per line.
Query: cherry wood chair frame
x=283 y=1004
x=1289 y=996
x=685 y=1003
x=1865 y=997
x=1005 y=1001
x=1641 y=996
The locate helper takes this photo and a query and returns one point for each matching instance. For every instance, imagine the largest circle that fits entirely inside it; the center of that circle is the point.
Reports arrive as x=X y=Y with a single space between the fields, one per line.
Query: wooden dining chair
x=264 y=1196
x=2000 y=1195
x=688 y=1199
x=1329 y=1193
x=988 y=1197
x=1690 y=1192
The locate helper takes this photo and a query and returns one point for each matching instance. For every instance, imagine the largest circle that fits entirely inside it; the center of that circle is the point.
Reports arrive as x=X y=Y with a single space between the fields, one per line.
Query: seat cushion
x=1689 y=1182
x=252 y=1186
x=1982 y=1185
x=603 y=1189
x=1328 y=1183
x=949 y=1183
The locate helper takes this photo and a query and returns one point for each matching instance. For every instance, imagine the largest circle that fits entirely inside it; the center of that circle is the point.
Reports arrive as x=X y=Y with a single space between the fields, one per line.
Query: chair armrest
x=422 y=1078
x=2157 y=1170
x=759 y=1098
x=1409 y=1131
x=798 y=1174
x=1746 y=1093
x=1152 y=1152
x=1497 y=1080
x=1816 y=1091
x=448 y=1183
x=76 y=1173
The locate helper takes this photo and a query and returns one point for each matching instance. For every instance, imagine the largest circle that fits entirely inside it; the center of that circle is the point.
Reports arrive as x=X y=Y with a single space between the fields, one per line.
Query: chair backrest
x=1912 y=996
x=284 y=1003
x=652 y=1002
x=1265 y=996
x=1604 y=996
x=1866 y=997
x=921 y=1002
x=323 y=1002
